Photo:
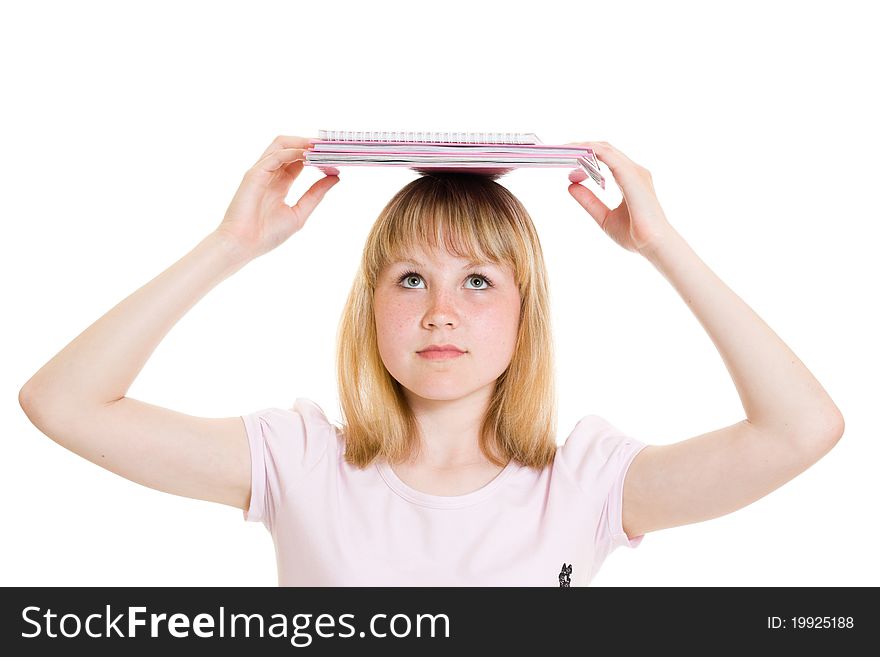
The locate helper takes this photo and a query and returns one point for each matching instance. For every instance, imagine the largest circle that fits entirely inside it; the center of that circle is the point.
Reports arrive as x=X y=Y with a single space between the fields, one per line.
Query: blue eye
x=408 y=274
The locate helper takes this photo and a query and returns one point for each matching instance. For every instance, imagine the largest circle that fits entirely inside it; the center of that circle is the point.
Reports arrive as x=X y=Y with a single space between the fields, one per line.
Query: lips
x=442 y=348
x=441 y=354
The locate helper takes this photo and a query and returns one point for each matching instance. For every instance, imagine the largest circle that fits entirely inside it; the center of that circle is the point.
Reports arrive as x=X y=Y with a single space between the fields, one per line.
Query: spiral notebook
x=489 y=153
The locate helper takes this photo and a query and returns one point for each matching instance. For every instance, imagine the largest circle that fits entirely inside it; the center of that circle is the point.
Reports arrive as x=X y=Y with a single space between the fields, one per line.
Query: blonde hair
x=473 y=216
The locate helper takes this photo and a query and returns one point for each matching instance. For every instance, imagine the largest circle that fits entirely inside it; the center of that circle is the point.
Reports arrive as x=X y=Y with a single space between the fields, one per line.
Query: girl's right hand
x=258 y=219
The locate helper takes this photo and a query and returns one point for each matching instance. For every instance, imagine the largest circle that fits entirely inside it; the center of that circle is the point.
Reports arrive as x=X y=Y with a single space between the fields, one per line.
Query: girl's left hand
x=638 y=223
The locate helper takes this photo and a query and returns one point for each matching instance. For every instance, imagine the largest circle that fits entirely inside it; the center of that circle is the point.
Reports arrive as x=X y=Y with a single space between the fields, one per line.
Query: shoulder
x=286 y=446
x=301 y=431
x=596 y=451
x=310 y=411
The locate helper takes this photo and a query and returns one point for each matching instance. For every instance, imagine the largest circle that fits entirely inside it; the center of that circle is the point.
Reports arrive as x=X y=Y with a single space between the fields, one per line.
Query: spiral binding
x=429 y=137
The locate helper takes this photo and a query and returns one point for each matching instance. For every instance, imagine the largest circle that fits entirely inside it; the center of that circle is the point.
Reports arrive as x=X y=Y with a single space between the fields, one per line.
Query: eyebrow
x=473 y=263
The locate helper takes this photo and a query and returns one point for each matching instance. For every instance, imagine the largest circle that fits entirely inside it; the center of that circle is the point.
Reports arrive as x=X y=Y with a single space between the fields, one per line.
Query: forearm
x=777 y=391
x=99 y=365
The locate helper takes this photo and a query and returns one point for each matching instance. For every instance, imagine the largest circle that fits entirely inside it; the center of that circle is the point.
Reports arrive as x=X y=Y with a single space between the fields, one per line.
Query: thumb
x=596 y=208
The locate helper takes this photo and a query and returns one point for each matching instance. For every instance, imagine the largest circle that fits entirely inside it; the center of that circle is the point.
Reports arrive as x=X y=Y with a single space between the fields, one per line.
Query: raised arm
x=791 y=422
x=78 y=397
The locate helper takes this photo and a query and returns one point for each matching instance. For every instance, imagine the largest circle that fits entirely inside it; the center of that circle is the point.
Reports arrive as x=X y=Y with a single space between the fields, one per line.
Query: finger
x=273 y=161
x=313 y=195
x=606 y=153
x=576 y=176
x=594 y=207
x=288 y=141
x=287 y=173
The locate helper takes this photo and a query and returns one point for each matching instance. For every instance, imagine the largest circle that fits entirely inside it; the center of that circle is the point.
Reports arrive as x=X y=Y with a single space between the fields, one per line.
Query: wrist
x=662 y=242
x=232 y=248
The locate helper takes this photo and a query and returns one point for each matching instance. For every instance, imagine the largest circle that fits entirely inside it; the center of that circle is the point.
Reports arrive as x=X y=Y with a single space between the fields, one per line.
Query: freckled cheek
x=507 y=328
x=397 y=325
x=400 y=316
x=499 y=334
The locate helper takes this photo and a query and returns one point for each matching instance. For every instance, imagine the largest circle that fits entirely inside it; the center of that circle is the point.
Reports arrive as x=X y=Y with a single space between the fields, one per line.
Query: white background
x=126 y=131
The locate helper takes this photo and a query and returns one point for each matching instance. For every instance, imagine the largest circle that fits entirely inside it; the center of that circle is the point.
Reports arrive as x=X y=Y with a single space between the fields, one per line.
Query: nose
x=442 y=311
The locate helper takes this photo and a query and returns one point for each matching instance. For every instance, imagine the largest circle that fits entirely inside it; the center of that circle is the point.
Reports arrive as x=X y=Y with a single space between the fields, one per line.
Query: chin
x=438 y=393
x=443 y=390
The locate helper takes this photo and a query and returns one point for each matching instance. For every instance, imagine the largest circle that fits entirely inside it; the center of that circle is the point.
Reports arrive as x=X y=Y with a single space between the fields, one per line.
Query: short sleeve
x=285 y=446
x=598 y=455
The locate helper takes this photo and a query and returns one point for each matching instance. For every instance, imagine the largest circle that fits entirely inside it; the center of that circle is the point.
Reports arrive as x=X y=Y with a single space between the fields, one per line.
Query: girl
x=446 y=470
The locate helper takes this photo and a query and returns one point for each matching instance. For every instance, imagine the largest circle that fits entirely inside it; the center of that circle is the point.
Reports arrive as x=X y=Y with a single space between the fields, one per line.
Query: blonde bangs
x=455 y=213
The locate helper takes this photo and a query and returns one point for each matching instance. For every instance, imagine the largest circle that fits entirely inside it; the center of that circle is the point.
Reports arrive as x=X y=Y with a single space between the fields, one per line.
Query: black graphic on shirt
x=565 y=575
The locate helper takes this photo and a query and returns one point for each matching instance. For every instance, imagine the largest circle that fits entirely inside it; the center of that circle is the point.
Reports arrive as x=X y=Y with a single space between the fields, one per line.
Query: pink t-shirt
x=336 y=525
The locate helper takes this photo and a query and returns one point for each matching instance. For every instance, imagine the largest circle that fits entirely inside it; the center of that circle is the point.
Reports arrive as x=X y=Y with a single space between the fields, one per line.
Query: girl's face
x=436 y=298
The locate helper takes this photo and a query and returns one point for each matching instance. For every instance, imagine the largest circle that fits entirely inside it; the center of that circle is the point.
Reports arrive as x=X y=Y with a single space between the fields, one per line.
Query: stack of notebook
x=492 y=153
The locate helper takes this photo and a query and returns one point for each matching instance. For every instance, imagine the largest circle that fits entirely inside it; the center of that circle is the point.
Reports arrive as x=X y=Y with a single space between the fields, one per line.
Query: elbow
x=28 y=399
x=833 y=425
x=44 y=415
x=817 y=435
x=827 y=430
x=826 y=426
x=25 y=399
x=33 y=403
x=836 y=426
